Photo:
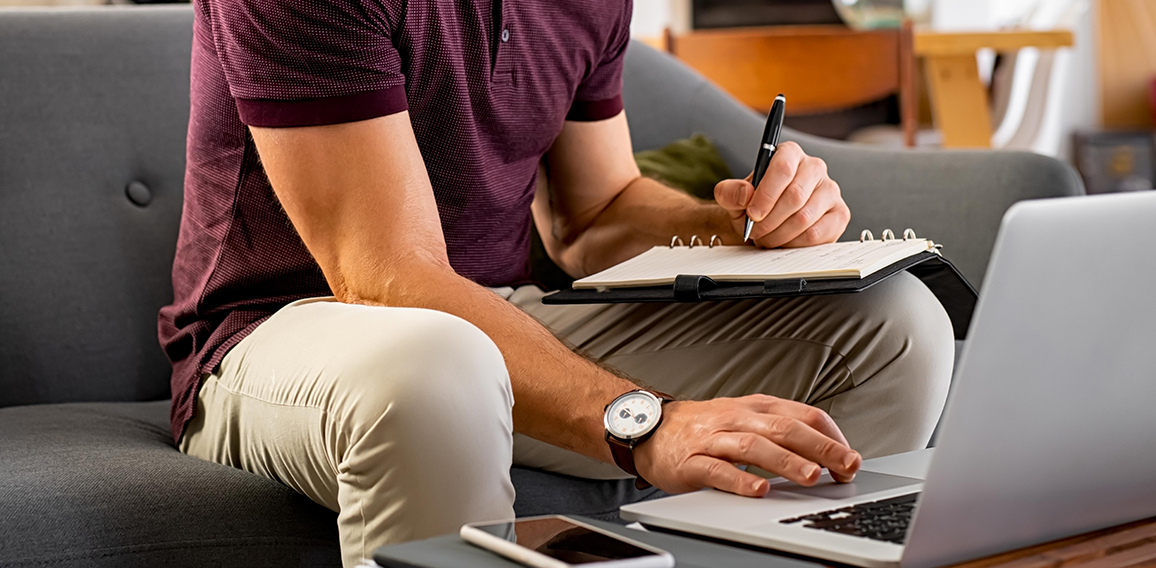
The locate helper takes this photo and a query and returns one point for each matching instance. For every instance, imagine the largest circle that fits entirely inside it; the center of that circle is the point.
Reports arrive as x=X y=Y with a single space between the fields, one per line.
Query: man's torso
x=488 y=88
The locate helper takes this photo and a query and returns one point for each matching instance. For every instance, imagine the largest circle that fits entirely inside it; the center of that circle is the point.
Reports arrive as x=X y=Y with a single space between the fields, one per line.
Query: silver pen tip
x=747 y=230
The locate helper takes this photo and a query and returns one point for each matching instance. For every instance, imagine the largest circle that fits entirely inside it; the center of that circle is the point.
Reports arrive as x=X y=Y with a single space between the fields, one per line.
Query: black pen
x=767 y=150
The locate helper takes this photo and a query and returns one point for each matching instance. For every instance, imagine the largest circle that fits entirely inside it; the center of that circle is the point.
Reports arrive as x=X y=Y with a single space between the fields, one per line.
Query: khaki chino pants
x=399 y=418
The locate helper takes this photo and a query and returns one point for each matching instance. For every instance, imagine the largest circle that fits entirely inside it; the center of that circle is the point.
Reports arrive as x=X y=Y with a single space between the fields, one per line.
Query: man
x=351 y=317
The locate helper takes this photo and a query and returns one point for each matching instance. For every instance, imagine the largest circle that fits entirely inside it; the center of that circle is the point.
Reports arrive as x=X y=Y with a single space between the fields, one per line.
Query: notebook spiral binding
x=889 y=235
x=676 y=239
x=864 y=236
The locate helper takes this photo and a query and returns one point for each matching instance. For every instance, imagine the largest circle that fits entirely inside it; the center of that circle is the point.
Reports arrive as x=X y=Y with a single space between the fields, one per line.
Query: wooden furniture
x=1130 y=545
x=1127 y=38
x=959 y=99
x=825 y=68
x=820 y=68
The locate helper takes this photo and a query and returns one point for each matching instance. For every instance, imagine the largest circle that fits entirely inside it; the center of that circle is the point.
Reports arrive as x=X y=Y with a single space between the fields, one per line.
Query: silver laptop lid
x=1051 y=429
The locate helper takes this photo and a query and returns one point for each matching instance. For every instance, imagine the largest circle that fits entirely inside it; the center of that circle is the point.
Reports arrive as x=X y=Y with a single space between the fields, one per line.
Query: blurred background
x=1072 y=79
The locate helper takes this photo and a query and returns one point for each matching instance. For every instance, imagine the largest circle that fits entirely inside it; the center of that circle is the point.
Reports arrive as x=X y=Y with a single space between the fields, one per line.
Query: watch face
x=632 y=415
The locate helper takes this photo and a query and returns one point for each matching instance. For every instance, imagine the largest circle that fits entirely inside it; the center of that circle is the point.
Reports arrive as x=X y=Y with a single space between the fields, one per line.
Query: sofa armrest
x=955 y=197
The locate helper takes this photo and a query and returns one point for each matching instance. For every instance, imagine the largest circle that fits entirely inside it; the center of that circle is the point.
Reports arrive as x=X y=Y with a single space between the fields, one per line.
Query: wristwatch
x=630 y=420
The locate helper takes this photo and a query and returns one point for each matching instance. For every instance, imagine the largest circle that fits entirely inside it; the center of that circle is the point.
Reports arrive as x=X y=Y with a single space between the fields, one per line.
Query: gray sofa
x=93 y=113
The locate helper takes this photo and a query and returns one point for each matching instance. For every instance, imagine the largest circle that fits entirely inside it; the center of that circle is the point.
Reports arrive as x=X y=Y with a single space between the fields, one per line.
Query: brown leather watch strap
x=623 y=458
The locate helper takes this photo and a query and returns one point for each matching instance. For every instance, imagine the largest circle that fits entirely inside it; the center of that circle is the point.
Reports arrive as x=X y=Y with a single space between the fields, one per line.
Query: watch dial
x=632 y=416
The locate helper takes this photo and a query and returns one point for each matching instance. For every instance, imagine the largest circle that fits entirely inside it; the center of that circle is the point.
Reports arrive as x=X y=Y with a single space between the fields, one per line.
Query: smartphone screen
x=565 y=541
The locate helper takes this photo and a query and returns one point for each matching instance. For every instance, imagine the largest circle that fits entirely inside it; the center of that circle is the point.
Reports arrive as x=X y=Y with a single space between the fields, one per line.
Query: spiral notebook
x=698 y=271
x=662 y=265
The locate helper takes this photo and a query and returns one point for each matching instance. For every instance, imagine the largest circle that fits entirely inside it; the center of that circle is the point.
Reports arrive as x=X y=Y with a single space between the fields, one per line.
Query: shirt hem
x=365 y=105
x=590 y=111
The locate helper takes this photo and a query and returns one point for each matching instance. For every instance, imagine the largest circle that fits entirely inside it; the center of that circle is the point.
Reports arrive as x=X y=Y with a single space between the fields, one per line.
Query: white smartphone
x=558 y=542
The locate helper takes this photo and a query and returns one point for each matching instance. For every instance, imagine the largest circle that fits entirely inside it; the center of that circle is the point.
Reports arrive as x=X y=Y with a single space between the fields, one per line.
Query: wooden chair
x=819 y=68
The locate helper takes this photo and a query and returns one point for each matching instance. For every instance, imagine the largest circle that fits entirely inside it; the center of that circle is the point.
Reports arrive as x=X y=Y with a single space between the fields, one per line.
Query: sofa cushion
x=100 y=484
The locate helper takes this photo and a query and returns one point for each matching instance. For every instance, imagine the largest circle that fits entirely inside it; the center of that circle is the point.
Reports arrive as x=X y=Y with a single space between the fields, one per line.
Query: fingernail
x=755 y=213
x=850 y=460
x=810 y=470
x=757 y=486
x=744 y=196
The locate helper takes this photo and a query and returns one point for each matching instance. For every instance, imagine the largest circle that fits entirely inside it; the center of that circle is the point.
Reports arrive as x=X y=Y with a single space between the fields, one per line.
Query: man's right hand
x=698 y=444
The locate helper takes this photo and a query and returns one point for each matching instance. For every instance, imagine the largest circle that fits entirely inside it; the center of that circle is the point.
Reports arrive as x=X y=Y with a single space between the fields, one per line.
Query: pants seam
x=325 y=417
x=266 y=400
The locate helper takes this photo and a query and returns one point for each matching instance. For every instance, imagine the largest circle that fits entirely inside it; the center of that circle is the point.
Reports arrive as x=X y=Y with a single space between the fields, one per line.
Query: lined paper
x=660 y=265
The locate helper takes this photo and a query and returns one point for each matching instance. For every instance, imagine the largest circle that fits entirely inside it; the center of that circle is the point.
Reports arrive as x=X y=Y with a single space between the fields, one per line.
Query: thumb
x=733 y=194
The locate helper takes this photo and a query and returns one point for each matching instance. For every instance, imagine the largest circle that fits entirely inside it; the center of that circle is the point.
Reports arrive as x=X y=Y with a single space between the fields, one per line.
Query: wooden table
x=1127 y=546
x=959 y=99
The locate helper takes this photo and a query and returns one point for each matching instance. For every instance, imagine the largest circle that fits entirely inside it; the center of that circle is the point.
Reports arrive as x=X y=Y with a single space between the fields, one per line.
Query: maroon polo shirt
x=488 y=85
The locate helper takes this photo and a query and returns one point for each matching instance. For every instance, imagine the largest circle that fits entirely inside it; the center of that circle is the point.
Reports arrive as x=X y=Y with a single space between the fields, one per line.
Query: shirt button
x=505 y=35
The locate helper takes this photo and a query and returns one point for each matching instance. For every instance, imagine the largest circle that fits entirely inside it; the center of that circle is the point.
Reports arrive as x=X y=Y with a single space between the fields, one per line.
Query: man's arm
x=359 y=196
x=595 y=210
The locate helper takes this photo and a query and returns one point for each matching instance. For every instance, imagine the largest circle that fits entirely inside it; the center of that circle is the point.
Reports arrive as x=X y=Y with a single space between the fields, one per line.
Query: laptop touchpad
x=865 y=482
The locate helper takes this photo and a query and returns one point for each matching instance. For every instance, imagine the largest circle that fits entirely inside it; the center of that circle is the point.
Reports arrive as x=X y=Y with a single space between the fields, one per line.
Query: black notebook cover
x=944 y=280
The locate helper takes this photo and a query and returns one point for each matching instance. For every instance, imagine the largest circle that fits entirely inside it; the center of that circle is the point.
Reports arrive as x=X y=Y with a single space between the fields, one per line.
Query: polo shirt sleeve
x=599 y=95
x=307 y=62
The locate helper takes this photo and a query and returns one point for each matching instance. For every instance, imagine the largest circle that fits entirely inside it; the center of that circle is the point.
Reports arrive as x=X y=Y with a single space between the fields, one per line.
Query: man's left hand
x=796 y=204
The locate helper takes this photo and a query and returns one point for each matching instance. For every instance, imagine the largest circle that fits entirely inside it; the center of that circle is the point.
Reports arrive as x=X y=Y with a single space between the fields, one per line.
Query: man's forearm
x=559 y=395
x=645 y=214
x=358 y=196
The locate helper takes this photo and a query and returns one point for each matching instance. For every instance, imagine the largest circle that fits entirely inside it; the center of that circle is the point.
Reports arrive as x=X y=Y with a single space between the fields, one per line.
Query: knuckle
x=779 y=427
x=715 y=469
x=790 y=146
x=818 y=164
x=785 y=461
x=829 y=447
x=795 y=195
x=746 y=443
x=812 y=234
x=783 y=168
x=806 y=217
x=814 y=417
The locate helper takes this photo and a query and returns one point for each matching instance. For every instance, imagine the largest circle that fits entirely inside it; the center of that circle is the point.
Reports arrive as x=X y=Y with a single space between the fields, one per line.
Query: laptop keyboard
x=886 y=520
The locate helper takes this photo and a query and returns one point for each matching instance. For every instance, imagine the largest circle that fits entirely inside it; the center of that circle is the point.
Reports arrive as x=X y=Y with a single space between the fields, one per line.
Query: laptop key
x=885 y=520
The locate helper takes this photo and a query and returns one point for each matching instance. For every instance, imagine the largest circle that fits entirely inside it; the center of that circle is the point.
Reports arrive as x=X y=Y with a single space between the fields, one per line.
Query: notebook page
x=835 y=260
x=660 y=265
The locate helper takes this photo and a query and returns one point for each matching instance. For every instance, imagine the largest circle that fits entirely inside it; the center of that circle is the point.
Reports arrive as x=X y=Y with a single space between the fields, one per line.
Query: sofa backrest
x=93 y=115
x=957 y=197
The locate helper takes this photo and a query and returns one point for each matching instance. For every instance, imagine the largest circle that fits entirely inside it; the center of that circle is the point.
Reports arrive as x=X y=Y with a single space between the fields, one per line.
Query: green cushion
x=690 y=164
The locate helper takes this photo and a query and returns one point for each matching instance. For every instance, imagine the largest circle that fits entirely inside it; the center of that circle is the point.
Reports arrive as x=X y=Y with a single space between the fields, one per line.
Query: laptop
x=1050 y=430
